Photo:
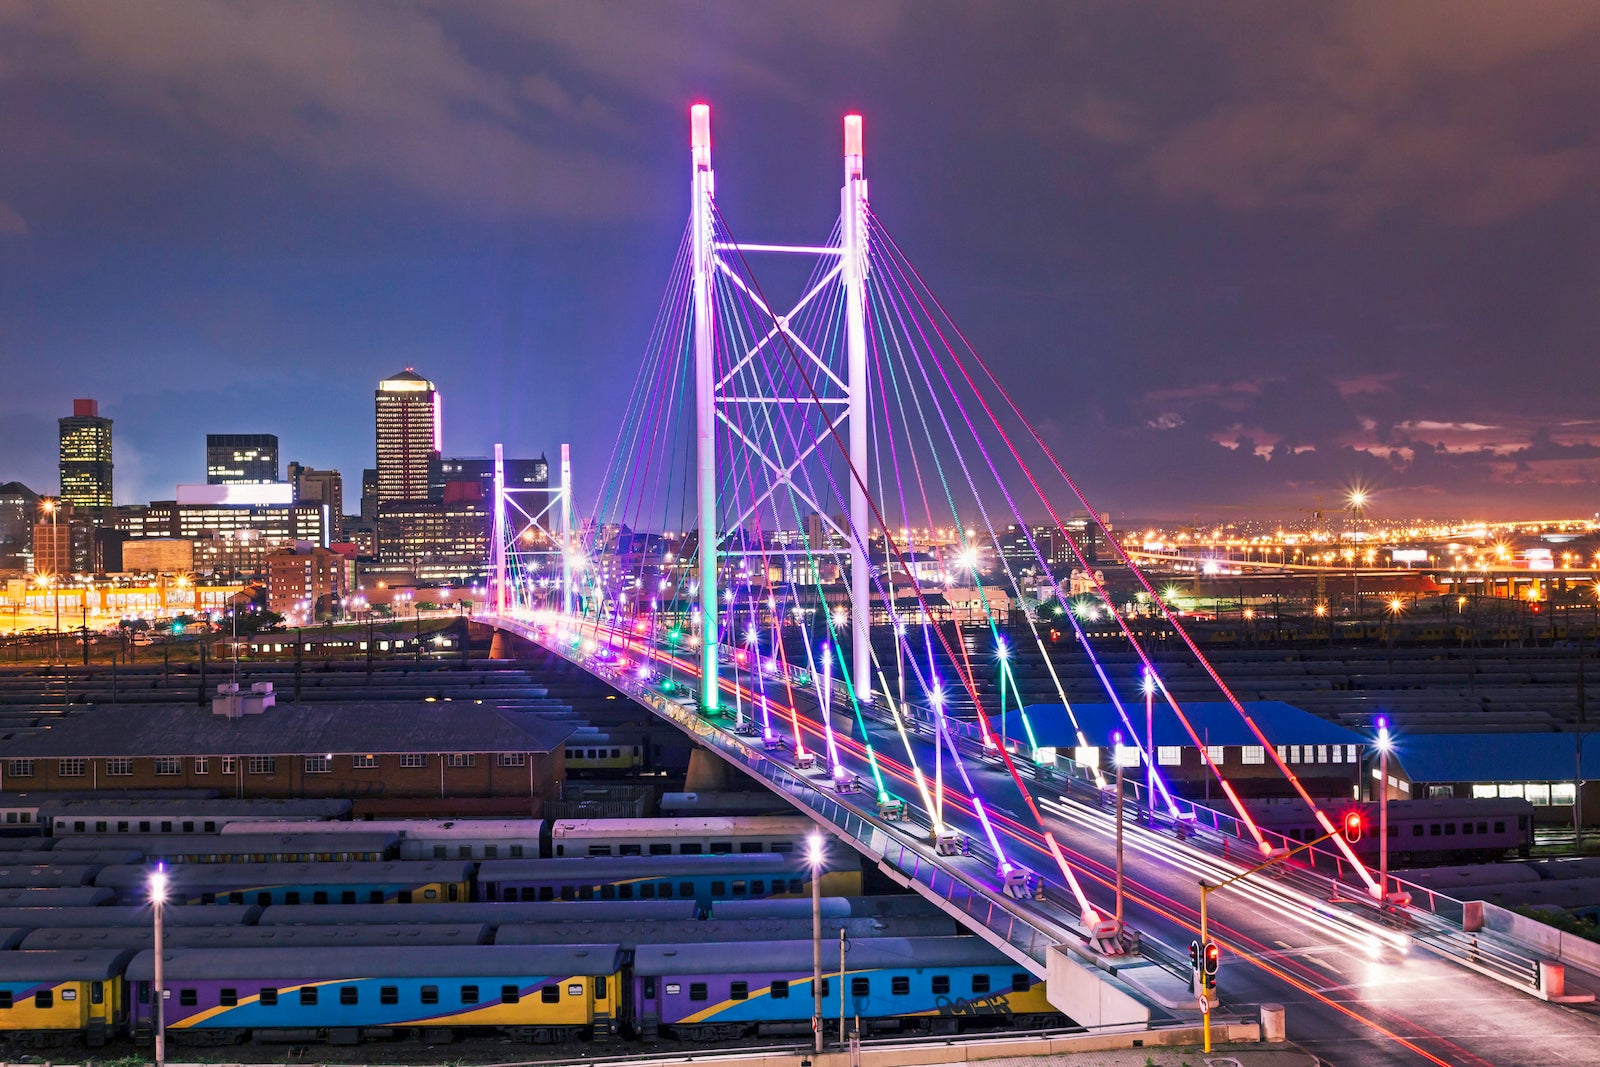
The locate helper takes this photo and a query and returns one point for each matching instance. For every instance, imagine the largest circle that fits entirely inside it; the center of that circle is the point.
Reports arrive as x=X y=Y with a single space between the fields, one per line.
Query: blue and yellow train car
x=703 y=879
x=53 y=998
x=545 y=994
x=388 y=882
x=706 y=992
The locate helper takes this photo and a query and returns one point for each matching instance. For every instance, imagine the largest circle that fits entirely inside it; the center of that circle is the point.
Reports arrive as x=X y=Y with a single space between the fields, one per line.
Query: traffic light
x=1353 y=824
x=1196 y=982
x=1213 y=959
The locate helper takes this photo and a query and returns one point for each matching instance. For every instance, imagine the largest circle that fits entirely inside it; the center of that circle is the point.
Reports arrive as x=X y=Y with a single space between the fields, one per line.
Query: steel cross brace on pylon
x=716 y=397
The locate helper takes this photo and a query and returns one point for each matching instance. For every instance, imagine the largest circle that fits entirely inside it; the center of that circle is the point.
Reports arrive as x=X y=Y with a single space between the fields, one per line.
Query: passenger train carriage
x=295 y=883
x=49 y=998
x=530 y=993
x=701 y=878
x=714 y=991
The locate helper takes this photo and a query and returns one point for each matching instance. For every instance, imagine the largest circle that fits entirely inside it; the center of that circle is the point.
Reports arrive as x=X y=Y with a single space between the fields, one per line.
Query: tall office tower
x=86 y=456
x=408 y=419
x=369 y=494
x=241 y=458
x=312 y=486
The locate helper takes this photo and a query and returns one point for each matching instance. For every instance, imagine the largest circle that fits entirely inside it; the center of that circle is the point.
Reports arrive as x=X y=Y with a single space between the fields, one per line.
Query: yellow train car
x=55 y=997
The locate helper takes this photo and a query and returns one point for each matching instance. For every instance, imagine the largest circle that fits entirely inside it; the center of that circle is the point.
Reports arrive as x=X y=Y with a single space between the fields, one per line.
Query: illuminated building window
x=1169 y=755
x=1253 y=754
x=72 y=768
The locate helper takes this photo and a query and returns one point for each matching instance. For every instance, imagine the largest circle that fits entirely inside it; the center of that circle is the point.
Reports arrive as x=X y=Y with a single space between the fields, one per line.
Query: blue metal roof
x=1542 y=757
x=1216 y=722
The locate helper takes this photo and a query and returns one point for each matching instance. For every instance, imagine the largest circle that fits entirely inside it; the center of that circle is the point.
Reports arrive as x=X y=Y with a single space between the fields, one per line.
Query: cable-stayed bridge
x=802 y=501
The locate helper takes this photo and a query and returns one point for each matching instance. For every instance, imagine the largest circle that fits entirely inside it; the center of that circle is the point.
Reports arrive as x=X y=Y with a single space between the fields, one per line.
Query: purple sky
x=1235 y=255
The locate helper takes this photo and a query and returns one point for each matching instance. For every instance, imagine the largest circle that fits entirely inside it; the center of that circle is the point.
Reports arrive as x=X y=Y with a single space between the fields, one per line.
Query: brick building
x=307 y=580
x=412 y=750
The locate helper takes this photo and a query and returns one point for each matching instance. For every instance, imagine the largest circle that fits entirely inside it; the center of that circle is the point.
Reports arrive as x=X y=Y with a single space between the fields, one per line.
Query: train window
x=697 y=991
x=464 y=852
x=166 y=826
x=188 y=824
x=188 y=998
x=263 y=899
x=568 y=892
x=660 y=848
x=980 y=983
x=625 y=892
x=550 y=994
x=616 y=753
x=269 y=997
x=780 y=990
x=375 y=896
x=900 y=986
x=608 y=892
x=860 y=987
x=441 y=852
x=575 y=989
x=1434 y=830
x=547 y=892
x=308 y=994
x=1499 y=827
x=348 y=994
x=686 y=889
x=1466 y=828
x=122 y=826
x=208 y=898
x=1020 y=982
x=5 y=998
x=97 y=992
x=688 y=848
x=388 y=994
x=144 y=826
x=629 y=850
x=429 y=894
x=510 y=995
x=721 y=848
x=453 y=891
x=1416 y=830
x=647 y=891
x=100 y=827
x=741 y=888
x=586 y=892
x=228 y=997
x=783 y=846
x=348 y=896
x=516 y=852
x=750 y=846
x=291 y=897
x=826 y=986
x=1483 y=828
x=45 y=998
x=491 y=852
x=430 y=994
x=469 y=994
x=758 y=887
x=404 y=896
x=319 y=897
x=719 y=888
x=599 y=987
x=794 y=885
x=1449 y=829
x=211 y=827
x=739 y=991
x=649 y=988
x=78 y=825
x=599 y=850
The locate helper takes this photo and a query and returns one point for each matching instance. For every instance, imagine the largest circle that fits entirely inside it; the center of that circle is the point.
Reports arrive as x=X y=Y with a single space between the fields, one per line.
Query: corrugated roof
x=1541 y=757
x=294 y=729
x=1216 y=722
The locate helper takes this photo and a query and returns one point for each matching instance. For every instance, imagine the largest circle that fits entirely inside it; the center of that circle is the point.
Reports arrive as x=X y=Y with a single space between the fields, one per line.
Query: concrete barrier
x=1087 y=996
x=1273 y=1029
x=1543 y=940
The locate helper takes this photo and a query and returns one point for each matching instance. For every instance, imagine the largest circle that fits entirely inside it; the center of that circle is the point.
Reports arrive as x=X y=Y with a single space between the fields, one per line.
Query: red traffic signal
x=1354 y=823
x=1213 y=959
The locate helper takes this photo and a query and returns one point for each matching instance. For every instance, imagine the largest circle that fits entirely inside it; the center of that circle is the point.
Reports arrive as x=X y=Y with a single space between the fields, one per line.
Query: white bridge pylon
x=718 y=399
x=524 y=533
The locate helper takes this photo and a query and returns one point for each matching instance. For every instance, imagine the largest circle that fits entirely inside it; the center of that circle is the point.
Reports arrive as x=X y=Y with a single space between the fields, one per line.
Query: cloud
x=11 y=223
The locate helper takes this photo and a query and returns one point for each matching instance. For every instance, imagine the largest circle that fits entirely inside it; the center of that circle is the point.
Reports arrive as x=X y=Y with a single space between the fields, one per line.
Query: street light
x=815 y=855
x=1384 y=744
x=158 y=899
x=1149 y=745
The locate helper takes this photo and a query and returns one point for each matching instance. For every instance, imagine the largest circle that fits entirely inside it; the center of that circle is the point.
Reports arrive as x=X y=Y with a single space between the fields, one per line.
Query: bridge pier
x=497 y=645
x=708 y=772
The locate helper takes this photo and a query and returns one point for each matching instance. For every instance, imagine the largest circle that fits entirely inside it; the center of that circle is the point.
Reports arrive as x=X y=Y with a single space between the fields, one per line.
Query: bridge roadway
x=1357 y=991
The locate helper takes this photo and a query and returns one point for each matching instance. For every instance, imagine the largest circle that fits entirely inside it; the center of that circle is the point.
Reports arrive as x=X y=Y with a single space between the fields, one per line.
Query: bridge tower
x=713 y=393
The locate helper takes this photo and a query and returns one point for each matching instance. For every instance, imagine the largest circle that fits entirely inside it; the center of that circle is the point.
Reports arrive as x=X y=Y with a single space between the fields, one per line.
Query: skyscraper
x=312 y=486
x=408 y=424
x=241 y=458
x=86 y=456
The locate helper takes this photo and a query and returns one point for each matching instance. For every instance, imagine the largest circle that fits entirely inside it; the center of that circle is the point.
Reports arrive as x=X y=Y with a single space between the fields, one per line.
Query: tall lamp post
x=158 y=899
x=815 y=854
x=1150 y=745
x=1384 y=744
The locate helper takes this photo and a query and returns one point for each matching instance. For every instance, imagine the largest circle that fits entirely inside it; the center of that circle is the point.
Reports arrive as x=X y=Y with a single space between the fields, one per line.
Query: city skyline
x=1258 y=265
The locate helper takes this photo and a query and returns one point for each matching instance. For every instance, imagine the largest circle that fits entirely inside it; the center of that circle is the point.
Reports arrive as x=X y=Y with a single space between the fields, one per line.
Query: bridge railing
x=981 y=903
